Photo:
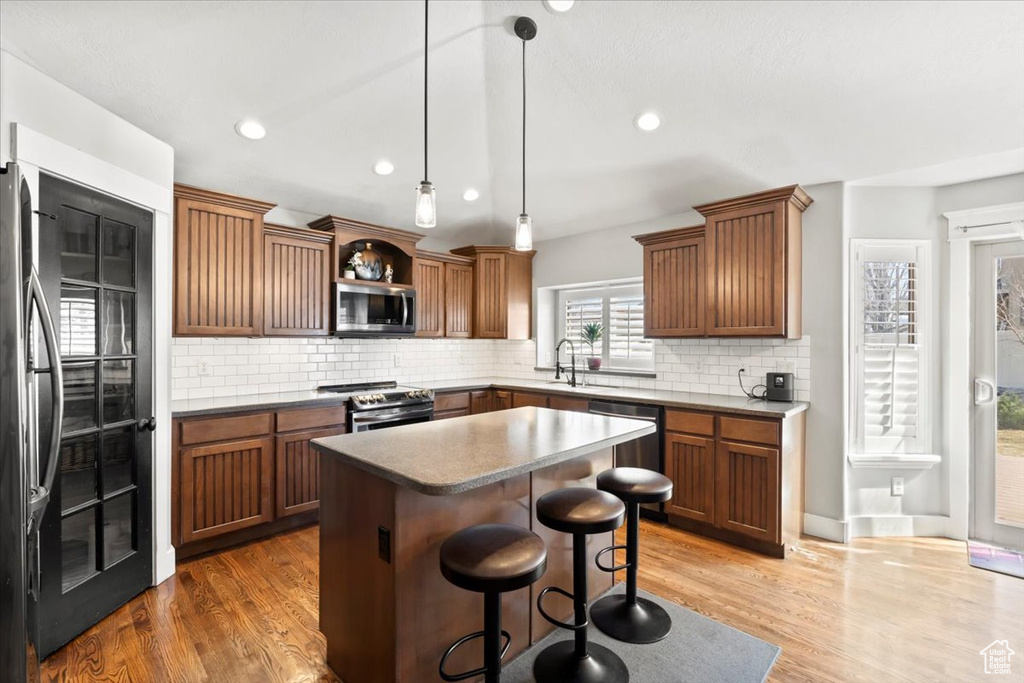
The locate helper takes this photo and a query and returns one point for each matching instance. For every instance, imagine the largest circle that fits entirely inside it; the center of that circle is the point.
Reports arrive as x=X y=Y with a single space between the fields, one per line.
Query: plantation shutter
x=889 y=350
x=626 y=330
x=579 y=312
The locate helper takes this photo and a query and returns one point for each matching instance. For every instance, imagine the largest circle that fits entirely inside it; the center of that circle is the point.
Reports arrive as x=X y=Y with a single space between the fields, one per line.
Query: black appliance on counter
x=779 y=386
x=644 y=452
x=377 y=405
x=373 y=310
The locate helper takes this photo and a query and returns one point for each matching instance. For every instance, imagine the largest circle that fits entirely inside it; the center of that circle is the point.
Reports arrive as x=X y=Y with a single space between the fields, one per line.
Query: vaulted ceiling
x=751 y=95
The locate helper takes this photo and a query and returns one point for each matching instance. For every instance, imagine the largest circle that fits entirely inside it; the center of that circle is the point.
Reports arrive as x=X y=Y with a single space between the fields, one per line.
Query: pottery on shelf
x=594 y=363
x=367 y=263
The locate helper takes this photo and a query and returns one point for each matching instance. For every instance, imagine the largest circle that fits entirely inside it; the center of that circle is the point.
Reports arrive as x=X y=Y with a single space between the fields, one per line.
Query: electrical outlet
x=897 y=486
x=786 y=366
x=698 y=366
x=547 y=358
x=398 y=360
x=203 y=369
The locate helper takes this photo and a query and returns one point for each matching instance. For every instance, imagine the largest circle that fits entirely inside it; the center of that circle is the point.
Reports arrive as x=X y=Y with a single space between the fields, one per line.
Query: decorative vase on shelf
x=594 y=363
x=367 y=263
x=349 y=275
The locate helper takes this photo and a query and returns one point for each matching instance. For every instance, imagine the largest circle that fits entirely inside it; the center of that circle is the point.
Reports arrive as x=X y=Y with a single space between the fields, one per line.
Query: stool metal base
x=640 y=623
x=558 y=664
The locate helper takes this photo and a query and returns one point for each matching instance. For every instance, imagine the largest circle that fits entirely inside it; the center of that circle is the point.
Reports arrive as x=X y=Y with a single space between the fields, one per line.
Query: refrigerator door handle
x=40 y=493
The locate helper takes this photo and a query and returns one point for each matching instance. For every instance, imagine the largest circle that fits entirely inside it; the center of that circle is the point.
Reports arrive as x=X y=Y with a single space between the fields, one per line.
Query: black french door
x=95 y=263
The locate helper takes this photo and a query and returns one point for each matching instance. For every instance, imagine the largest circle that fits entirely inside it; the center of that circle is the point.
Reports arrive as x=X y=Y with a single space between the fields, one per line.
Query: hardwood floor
x=874 y=610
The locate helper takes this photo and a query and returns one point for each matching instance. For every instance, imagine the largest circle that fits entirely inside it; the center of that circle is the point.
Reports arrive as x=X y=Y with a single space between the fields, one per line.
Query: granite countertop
x=459 y=454
x=739 y=405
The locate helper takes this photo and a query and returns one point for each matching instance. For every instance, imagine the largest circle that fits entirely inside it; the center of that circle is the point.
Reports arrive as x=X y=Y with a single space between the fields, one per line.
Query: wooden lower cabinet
x=225 y=487
x=453 y=404
x=298 y=471
x=501 y=400
x=690 y=464
x=481 y=401
x=747 y=490
x=522 y=399
x=579 y=405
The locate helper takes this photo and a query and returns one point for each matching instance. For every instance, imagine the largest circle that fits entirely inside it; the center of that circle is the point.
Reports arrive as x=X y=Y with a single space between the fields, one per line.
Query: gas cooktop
x=374 y=395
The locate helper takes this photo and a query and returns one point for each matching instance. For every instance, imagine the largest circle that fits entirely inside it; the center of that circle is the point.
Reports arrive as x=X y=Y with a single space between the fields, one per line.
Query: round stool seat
x=580 y=511
x=635 y=485
x=493 y=558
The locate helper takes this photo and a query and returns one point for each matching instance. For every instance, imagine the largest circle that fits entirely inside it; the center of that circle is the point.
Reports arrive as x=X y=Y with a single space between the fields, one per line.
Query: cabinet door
x=579 y=405
x=225 y=487
x=429 y=283
x=218 y=274
x=674 y=281
x=690 y=464
x=480 y=401
x=746 y=271
x=298 y=471
x=491 y=297
x=298 y=285
x=747 y=490
x=521 y=399
x=458 y=300
x=501 y=400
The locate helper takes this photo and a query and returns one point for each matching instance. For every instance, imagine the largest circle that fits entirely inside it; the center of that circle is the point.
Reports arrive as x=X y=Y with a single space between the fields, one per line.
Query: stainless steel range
x=377 y=405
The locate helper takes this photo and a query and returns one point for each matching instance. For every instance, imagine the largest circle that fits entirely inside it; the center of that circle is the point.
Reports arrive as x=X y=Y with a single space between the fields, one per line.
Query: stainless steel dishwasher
x=644 y=452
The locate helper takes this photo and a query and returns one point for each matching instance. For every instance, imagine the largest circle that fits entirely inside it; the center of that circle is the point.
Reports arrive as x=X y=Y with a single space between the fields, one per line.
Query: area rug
x=994 y=559
x=698 y=649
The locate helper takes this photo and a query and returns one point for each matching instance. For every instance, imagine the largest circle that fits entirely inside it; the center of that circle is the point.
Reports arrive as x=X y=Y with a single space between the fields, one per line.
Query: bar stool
x=578 y=511
x=491 y=559
x=627 y=617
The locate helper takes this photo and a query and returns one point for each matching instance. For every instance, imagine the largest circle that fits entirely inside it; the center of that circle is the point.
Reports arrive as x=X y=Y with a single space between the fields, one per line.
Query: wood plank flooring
x=874 y=610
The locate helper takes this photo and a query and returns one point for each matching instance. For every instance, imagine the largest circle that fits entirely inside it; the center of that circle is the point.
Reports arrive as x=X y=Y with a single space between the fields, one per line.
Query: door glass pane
x=78 y=548
x=77 y=471
x=118 y=528
x=77 y=321
x=79 y=396
x=1009 y=477
x=118 y=323
x=118 y=391
x=78 y=245
x=118 y=448
x=118 y=253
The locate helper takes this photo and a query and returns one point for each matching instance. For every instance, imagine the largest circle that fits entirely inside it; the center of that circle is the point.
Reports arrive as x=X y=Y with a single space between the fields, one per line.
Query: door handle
x=40 y=494
x=147 y=424
x=984 y=392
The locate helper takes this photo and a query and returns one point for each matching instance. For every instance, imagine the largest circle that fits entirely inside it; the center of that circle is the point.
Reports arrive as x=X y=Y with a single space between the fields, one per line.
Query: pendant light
x=426 y=208
x=526 y=29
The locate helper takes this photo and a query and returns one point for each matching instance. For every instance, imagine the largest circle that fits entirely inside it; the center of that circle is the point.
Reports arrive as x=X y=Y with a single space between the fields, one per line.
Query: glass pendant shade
x=524 y=233
x=426 y=210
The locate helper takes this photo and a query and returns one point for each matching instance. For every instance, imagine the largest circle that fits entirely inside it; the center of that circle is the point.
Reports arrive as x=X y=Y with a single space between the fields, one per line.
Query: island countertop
x=451 y=456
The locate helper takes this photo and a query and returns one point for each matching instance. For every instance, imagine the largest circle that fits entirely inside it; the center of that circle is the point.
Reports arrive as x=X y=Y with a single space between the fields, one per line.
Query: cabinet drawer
x=310 y=418
x=691 y=423
x=224 y=428
x=753 y=431
x=520 y=400
x=457 y=401
x=580 y=405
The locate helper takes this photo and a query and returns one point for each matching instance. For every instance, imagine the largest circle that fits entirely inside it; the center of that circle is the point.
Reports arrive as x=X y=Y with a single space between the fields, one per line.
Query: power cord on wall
x=751 y=394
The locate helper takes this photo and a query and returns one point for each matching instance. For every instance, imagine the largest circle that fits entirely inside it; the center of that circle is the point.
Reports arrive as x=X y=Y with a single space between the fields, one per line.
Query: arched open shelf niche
x=397 y=247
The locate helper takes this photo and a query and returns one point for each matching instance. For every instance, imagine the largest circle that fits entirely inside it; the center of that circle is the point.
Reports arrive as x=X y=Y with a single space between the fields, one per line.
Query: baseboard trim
x=826 y=527
x=882 y=526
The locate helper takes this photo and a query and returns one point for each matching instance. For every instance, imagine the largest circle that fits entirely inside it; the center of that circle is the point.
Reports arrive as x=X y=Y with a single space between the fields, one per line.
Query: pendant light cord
x=426 y=51
x=524 y=126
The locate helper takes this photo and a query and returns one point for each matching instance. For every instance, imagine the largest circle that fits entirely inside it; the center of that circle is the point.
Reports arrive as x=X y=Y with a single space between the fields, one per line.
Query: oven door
x=366 y=420
x=373 y=310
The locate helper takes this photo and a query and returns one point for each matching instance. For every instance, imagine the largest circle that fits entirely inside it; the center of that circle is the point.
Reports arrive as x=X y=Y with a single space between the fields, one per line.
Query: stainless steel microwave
x=364 y=310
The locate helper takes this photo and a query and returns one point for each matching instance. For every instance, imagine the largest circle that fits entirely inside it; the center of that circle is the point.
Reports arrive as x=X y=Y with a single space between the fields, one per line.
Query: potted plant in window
x=592 y=333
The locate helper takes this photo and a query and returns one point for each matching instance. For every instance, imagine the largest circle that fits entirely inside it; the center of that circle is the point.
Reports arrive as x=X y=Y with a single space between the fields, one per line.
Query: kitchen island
x=389 y=499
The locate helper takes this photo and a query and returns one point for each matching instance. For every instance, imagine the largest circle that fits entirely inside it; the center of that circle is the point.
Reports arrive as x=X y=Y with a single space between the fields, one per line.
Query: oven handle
x=391 y=415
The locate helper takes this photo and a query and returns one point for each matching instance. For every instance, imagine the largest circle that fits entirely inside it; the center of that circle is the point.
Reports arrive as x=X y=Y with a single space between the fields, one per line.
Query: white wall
x=45 y=126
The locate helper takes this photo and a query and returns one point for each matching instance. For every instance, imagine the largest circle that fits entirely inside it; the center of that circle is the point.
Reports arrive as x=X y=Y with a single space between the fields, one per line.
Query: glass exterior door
x=998 y=501
x=95 y=258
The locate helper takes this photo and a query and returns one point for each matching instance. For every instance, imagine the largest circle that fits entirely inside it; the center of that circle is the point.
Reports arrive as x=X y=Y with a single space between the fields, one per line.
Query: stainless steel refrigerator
x=76 y=430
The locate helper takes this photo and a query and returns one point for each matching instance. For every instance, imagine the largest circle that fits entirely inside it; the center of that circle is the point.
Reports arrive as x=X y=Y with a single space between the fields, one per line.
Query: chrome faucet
x=558 y=364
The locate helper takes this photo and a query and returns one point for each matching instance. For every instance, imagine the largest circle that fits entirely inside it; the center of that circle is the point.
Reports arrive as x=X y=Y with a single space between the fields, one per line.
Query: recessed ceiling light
x=559 y=6
x=471 y=195
x=250 y=128
x=383 y=167
x=647 y=121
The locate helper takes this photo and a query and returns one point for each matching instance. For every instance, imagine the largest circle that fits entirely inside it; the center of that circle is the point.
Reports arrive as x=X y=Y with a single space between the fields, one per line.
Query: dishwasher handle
x=628 y=417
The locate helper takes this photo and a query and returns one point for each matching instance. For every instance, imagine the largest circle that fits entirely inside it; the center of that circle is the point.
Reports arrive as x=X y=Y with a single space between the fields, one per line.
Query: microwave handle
x=405 y=311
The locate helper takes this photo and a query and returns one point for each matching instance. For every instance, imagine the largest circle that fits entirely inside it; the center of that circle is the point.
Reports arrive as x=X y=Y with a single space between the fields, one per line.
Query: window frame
x=925 y=338
x=605 y=292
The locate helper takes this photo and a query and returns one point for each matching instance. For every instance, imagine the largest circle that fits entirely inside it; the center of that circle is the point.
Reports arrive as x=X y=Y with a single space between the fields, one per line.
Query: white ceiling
x=751 y=94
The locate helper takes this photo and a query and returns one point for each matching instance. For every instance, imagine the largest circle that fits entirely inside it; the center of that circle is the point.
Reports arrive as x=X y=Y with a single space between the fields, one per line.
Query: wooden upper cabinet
x=753 y=264
x=297 y=285
x=458 y=300
x=504 y=292
x=674 y=279
x=218 y=263
x=428 y=278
